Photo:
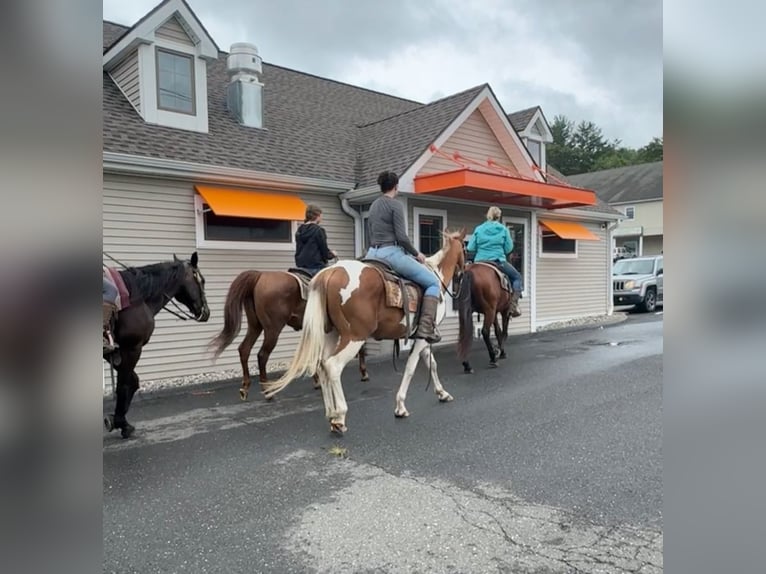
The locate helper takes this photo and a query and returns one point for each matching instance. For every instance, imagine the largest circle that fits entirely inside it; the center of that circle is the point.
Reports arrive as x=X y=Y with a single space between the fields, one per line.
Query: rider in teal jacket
x=491 y=241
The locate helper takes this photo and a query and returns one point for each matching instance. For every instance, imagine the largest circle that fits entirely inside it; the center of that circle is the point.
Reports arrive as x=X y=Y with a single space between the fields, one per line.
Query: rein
x=181 y=313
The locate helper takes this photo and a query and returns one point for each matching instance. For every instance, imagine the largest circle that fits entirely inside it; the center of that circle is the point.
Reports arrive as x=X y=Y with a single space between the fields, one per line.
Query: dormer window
x=536 y=134
x=535 y=148
x=175 y=81
x=160 y=65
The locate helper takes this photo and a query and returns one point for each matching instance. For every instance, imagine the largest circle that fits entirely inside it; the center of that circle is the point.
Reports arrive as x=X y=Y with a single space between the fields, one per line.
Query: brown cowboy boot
x=109 y=311
x=515 y=311
x=427 y=324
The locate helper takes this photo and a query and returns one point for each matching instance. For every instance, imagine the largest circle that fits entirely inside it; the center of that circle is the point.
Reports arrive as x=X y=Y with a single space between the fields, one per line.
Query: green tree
x=651 y=151
x=582 y=148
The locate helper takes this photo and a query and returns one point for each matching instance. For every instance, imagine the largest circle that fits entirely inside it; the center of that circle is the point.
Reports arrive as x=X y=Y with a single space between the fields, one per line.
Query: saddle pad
x=123 y=297
x=394 y=297
x=505 y=283
x=303 y=282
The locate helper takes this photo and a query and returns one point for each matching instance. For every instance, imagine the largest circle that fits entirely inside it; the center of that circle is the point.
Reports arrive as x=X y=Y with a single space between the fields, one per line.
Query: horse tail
x=465 y=315
x=241 y=293
x=308 y=355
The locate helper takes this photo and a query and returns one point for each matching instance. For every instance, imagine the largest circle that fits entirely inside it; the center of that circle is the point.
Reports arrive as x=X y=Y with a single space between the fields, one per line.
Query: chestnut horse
x=481 y=291
x=271 y=299
x=151 y=288
x=347 y=303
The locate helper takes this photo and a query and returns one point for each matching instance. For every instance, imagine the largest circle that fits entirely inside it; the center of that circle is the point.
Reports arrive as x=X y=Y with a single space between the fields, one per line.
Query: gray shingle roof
x=311 y=124
x=600 y=207
x=315 y=127
x=520 y=120
x=395 y=143
x=641 y=182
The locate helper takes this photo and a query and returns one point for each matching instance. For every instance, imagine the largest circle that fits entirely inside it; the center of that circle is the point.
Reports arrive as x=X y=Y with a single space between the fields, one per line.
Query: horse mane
x=150 y=281
x=436 y=259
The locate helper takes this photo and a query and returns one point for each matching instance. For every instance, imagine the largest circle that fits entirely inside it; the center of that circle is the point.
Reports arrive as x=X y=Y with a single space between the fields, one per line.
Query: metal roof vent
x=244 y=95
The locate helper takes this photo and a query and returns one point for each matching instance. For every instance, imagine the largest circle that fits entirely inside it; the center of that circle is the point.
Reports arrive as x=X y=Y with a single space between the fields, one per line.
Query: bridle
x=179 y=311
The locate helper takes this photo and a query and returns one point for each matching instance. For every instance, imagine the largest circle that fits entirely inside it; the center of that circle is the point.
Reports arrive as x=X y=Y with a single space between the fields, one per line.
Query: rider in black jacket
x=311 y=251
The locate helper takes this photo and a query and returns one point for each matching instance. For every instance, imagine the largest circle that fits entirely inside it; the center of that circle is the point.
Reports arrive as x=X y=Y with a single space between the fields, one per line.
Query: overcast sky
x=598 y=60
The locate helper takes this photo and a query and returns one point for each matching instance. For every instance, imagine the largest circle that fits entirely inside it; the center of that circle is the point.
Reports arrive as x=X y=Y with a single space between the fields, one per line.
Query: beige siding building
x=293 y=138
x=636 y=191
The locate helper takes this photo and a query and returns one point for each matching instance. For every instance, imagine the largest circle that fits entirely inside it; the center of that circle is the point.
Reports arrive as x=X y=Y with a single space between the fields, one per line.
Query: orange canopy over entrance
x=502 y=189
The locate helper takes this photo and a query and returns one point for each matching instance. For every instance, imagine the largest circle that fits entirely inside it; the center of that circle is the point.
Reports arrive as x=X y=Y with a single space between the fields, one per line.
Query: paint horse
x=484 y=289
x=271 y=300
x=150 y=288
x=353 y=300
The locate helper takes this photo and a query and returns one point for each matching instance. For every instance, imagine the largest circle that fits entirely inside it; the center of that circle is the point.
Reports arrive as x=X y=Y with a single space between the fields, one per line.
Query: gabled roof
x=520 y=120
x=143 y=31
x=641 y=182
x=396 y=142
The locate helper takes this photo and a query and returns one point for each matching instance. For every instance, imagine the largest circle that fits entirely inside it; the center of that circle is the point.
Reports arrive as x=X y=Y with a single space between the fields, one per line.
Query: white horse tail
x=308 y=355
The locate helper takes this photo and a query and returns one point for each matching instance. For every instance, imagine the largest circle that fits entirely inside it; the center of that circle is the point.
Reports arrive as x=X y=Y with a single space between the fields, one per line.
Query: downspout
x=609 y=267
x=357 y=217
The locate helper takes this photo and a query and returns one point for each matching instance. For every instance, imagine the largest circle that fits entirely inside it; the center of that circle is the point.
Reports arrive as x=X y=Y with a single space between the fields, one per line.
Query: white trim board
x=143 y=33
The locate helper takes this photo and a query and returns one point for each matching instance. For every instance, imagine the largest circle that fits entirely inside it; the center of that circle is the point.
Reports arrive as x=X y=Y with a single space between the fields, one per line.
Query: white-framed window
x=553 y=246
x=429 y=224
x=536 y=151
x=241 y=233
x=175 y=81
x=519 y=258
x=173 y=86
x=630 y=212
x=428 y=239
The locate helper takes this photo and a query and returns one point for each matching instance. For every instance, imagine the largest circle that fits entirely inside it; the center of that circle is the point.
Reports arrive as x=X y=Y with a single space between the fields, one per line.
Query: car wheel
x=650 y=301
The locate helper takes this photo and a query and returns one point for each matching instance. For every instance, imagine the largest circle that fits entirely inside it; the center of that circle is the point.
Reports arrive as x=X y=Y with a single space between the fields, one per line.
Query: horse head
x=191 y=291
x=451 y=257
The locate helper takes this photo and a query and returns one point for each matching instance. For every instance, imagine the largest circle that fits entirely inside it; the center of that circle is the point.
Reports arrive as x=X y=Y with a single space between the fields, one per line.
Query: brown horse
x=151 y=288
x=348 y=303
x=481 y=291
x=271 y=299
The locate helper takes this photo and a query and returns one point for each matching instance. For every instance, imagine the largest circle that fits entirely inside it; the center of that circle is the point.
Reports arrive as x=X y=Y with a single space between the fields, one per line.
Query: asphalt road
x=550 y=463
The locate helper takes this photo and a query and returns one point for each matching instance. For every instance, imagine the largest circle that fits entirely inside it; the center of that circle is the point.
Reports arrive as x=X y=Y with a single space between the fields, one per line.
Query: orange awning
x=254 y=204
x=569 y=230
x=502 y=189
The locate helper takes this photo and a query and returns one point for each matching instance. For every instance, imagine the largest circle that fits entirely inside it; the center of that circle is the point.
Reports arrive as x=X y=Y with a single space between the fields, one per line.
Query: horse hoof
x=243 y=394
x=446 y=398
x=109 y=423
x=493 y=365
x=127 y=430
x=402 y=414
x=468 y=371
x=338 y=428
x=503 y=356
x=365 y=378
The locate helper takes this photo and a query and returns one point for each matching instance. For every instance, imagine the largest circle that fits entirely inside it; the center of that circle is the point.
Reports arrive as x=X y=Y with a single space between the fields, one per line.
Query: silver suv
x=638 y=281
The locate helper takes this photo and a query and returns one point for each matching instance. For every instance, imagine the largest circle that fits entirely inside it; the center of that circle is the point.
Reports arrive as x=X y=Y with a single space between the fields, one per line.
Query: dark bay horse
x=482 y=292
x=347 y=303
x=271 y=300
x=151 y=287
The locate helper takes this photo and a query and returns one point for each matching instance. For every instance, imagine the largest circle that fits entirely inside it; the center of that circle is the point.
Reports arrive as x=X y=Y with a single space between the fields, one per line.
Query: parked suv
x=638 y=281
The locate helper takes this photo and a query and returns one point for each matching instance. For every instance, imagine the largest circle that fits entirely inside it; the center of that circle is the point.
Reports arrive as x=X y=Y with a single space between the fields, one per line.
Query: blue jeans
x=313 y=270
x=408 y=267
x=513 y=275
x=109 y=292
